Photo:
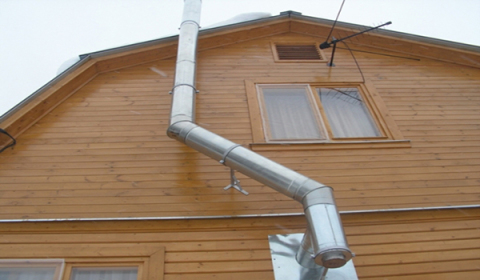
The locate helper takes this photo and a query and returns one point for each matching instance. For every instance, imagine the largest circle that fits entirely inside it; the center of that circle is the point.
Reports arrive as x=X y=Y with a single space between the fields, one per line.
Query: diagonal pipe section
x=324 y=243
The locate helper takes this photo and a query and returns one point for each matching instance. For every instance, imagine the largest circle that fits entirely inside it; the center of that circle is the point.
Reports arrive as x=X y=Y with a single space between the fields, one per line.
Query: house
x=94 y=184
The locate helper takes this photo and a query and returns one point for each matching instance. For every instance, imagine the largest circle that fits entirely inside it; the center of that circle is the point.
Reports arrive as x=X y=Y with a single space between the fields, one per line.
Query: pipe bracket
x=190 y=21
x=235 y=183
x=188 y=85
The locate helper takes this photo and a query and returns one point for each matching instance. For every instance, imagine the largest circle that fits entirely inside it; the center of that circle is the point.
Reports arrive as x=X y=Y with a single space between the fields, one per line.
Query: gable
x=103 y=151
x=45 y=99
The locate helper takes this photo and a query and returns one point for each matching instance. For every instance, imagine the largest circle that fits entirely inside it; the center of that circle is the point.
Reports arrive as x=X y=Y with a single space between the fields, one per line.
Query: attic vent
x=309 y=52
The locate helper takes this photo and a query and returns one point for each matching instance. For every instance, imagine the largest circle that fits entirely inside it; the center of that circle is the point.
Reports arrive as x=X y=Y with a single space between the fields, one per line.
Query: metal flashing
x=294 y=214
x=283 y=249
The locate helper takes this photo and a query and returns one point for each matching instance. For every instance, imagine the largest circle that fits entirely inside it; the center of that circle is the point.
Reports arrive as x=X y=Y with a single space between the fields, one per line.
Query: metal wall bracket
x=285 y=266
x=188 y=85
x=235 y=183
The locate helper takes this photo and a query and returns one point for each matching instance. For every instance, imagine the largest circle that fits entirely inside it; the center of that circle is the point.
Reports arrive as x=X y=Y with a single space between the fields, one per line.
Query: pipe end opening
x=333 y=259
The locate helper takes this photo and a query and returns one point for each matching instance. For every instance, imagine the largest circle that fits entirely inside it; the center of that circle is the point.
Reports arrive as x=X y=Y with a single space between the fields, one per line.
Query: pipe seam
x=225 y=155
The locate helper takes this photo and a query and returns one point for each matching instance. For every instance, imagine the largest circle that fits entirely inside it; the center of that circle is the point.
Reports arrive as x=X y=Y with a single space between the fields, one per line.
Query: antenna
x=335 y=22
x=326 y=44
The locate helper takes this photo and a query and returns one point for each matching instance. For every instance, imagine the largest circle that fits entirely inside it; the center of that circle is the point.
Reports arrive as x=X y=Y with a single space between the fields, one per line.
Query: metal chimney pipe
x=325 y=234
x=183 y=100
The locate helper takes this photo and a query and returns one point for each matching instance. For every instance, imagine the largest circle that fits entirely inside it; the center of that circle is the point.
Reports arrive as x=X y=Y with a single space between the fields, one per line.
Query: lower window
x=104 y=273
x=31 y=269
x=55 y=270
x=84 y=262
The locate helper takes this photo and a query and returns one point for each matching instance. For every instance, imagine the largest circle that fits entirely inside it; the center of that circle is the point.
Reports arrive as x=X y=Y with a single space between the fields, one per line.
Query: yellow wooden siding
x=52 y=96
x=399 y=245
x=104 y=153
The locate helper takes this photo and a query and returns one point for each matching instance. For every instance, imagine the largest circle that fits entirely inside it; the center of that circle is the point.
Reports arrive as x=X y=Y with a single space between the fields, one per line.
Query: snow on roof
x=67 y=64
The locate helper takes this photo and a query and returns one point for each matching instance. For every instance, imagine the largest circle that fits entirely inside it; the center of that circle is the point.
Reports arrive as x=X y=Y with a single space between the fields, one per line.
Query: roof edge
x=45 y=87
x=288 y=15
x=392 y=33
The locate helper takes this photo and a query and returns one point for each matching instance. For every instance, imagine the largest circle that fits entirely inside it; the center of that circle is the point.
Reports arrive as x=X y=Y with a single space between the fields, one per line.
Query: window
x=289 y=114
x=38 y=269
x=80 y=262
x=297 y=52
x=294 y=112
x=335 y=114
x=31 y=269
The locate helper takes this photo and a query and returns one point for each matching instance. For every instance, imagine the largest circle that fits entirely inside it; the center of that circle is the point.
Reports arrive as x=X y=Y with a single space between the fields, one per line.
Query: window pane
x=346 y=113
x=27 y=273
x=290 y=114
x=30 y=269
x=104 y=273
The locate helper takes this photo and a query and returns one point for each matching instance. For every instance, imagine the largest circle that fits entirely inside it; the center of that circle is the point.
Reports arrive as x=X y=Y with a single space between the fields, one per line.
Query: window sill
x=344 y=145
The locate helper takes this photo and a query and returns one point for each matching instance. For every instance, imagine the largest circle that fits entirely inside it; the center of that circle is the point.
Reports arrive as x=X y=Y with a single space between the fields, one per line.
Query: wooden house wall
x=409 y=245
x=104 y=152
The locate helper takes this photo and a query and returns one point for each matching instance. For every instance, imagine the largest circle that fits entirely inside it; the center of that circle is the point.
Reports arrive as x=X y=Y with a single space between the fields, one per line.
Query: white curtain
x=104 y=273
x=346 y=113
x=27 y=273
x=290 y=114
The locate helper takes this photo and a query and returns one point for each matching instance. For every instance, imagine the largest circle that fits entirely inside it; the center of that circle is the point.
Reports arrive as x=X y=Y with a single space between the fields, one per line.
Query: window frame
x=391 y=136
x=148 y=258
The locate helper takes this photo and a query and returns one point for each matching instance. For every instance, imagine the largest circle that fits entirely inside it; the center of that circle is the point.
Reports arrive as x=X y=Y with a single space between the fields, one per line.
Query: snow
x=67 y=64
x=239 y=18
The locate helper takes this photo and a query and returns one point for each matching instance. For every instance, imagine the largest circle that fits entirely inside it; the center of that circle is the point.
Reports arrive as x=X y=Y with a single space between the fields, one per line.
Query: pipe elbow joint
x=320 y=195
x=325 y=231
x=180 y=129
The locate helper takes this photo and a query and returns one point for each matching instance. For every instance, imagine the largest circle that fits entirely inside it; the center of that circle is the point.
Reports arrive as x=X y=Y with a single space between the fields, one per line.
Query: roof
x=27 y=112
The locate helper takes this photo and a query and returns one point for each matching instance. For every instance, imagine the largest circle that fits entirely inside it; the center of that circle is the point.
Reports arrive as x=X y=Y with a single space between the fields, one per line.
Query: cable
x=356 y=62
x=9 y=145
x=335 y=22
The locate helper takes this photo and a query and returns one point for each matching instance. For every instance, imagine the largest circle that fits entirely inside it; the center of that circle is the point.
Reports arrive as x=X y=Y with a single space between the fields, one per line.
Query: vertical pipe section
x=328 y=244
x=183 y=103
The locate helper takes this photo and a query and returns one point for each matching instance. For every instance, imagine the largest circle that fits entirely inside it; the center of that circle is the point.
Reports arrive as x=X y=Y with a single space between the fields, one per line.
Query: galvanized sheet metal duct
x=324 y=243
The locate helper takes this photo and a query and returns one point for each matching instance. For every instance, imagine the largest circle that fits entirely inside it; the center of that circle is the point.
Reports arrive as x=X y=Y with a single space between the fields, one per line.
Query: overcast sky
x=37 y=36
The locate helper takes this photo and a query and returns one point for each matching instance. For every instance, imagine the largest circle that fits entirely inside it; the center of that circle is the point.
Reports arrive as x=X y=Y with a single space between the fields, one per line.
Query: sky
x=38 y=36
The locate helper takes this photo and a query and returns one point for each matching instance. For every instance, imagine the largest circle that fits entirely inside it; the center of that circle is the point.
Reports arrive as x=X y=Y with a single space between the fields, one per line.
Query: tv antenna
x=326 y=44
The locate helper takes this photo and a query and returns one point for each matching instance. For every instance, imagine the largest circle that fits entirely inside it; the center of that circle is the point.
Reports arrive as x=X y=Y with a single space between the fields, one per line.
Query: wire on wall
x=356 y=62
x=9 y=145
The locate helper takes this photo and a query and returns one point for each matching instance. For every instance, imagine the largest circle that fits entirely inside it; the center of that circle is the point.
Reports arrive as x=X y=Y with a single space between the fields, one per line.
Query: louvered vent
x=298 y=52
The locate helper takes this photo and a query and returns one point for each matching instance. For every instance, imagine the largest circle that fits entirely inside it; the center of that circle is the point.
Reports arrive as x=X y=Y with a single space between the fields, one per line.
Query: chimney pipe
x=324 y=242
